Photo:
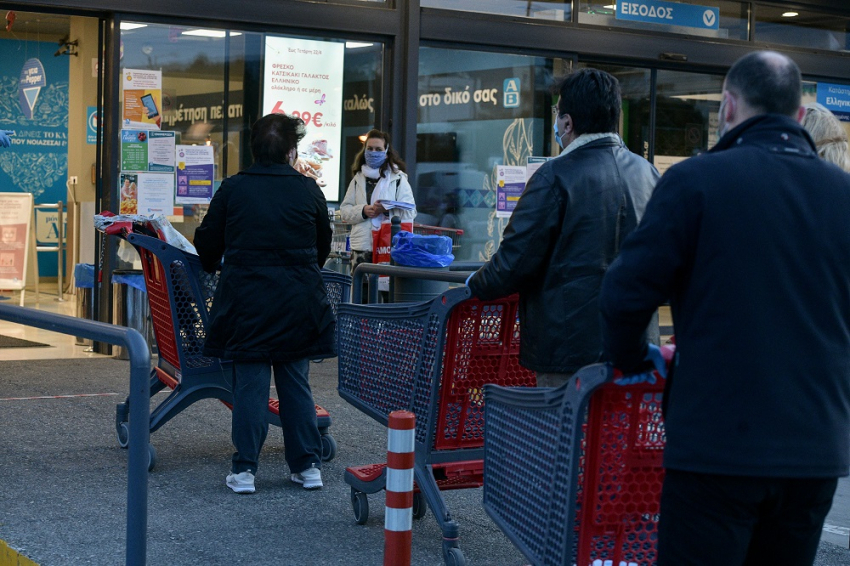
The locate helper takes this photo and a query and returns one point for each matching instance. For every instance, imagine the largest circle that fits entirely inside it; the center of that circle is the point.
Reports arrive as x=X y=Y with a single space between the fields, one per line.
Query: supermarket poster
x=303 y=78
x=15 y=217
x=510 y=185
x=195 y=174
x=142 y=91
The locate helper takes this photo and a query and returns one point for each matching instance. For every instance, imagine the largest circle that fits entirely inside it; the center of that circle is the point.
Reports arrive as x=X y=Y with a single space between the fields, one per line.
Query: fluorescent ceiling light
x=790 y=14
x=127 y=26
x=610 y=7
x=206 y=32
x=357 y=44
x=714 y=96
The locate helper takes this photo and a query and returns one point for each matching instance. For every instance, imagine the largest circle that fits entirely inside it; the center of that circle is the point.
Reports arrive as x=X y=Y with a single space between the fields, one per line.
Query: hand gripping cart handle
x=180 y=294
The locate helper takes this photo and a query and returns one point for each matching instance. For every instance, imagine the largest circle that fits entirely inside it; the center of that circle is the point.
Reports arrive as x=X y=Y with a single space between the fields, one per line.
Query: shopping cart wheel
x=420 y=508
x=123 y=434
x=151 y=457
x=360 y=505
x=122 y=411
x=328 y=448
x=454 y=557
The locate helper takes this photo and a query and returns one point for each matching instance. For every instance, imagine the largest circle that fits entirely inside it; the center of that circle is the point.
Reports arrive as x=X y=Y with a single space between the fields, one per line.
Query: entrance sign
x=669 y=13
x=303 y=78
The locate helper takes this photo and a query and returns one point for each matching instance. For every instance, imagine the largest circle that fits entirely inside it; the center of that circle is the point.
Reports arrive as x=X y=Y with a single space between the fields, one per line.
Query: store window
x=477 y=110
x=802 y=28
x=686 y=115
x=539 y=9
x=204 y=90
x=705 y=18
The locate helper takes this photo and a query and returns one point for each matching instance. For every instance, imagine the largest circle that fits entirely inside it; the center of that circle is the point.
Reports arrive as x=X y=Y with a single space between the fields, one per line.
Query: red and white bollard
x=398 y=520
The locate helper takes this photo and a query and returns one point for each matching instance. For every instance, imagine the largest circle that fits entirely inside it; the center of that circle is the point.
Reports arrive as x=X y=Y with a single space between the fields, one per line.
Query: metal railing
x=140 y=368
x=373 y=270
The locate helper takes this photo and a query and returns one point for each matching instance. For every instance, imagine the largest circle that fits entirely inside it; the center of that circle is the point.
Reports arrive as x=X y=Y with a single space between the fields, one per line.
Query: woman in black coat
x=267 y=229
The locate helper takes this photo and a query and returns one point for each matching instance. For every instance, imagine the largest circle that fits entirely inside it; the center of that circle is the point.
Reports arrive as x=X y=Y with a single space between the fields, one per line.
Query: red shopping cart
x=573 y=474
x=180 y=295
x=431 y=358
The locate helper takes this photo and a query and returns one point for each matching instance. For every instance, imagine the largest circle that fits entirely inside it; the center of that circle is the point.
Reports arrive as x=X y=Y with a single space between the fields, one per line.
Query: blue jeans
x=251 y=382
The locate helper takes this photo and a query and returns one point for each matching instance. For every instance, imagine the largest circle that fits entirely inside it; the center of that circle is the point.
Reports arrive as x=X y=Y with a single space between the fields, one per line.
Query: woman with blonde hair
x=828 y=133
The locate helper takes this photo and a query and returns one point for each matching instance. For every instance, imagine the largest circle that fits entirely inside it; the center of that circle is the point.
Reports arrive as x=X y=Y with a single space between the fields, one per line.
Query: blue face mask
x=375 y=159
x=558 y=137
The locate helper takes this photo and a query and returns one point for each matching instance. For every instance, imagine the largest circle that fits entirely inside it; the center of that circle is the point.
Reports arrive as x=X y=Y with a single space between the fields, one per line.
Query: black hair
x=769 y=82
x=274 y=136
x=592 y=99
x=394 y=160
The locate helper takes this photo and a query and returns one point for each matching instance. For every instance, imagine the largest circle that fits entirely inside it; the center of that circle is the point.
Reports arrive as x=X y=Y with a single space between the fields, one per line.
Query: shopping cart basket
x=573 y=474
x=431 y=358
x=180 y=298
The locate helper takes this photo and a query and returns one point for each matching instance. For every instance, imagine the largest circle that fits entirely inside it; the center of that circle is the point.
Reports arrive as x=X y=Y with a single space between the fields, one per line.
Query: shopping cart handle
x=668 y=351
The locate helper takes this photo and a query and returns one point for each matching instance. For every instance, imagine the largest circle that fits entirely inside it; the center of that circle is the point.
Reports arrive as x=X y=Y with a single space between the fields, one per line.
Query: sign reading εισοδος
x=835 y=98
x=669 y=13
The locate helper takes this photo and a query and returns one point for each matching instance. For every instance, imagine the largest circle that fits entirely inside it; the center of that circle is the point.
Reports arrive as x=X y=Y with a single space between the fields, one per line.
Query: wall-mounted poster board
x=16 y=240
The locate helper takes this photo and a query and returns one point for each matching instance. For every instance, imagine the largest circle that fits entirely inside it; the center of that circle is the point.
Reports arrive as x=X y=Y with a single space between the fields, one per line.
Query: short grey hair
x=828 y=133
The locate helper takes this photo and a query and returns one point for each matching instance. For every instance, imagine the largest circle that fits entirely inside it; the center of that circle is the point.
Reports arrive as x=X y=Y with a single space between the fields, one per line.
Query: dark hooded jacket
x=564 y=233
x=270 y=224
x=750 y=244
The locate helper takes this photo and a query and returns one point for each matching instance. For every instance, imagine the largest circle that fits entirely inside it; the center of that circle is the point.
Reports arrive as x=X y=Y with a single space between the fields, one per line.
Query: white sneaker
x=311 y=478
x=241 y=483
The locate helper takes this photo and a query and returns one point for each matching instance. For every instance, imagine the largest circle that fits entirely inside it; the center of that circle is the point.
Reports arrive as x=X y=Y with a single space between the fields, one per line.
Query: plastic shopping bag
x=381 y=240
x=416 y=250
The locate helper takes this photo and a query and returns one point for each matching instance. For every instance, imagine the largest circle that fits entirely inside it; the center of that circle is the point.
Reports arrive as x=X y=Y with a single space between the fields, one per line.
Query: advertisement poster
x=303 y=78
x=835 y=98
x=92 y=121
x=195 y=174
x=15 y=218
x=134 y=150
x=142 y=99
x=511 y=183
x=147 y=193
x=34 y=103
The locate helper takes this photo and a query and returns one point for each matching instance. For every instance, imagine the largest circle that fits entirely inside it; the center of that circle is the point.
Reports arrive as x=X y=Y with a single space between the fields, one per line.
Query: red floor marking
x=58 y=396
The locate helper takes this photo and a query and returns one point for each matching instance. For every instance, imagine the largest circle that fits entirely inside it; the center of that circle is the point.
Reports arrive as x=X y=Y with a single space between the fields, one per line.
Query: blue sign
x=91 y=124
x=511 y=91
x=31 y=82
x=835 y=97
x=669 y=13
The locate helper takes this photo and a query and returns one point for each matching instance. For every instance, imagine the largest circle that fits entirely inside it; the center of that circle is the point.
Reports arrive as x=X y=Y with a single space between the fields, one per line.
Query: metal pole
x=60 y=245
x=140 y=368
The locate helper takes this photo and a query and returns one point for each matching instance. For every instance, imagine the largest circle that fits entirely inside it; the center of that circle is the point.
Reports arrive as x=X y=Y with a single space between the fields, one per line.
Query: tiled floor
x=62 y=346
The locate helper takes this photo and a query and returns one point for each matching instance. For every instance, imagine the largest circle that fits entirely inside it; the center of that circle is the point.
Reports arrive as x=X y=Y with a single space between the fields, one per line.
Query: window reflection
x=539 y=9
x=802 y=28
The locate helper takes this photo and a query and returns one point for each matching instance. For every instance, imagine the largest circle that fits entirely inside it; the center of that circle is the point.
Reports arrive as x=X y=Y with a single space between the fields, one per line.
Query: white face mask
x=293 y=157
x=722 y=126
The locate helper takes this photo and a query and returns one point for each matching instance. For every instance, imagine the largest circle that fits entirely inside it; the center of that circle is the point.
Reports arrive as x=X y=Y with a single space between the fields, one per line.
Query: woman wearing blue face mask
x=379 y=175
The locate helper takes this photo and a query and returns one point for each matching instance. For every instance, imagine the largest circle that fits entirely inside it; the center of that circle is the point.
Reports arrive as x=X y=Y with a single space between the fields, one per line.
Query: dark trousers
x=251 y=383
x=714 y=520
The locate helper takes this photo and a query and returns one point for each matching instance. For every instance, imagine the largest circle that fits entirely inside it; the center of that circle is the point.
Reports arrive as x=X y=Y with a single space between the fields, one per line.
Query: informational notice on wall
x=195 y=170
x=147 y=193
x=509 y=187
x=15 y=218
x=533 y=164
x=303 y=78
x=142 y=92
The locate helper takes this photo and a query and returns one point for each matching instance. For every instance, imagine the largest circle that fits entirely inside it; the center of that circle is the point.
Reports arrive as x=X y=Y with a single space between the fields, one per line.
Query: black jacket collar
x=768 y=129
x=273 y=169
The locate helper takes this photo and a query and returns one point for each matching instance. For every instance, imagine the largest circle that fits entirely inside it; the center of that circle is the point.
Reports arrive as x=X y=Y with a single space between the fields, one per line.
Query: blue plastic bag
x=416 y=250
x=84 y=275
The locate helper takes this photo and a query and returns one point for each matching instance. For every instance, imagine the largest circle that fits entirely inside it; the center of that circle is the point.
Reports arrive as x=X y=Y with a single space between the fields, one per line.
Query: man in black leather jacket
x=566 y=230
x=749 y=243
